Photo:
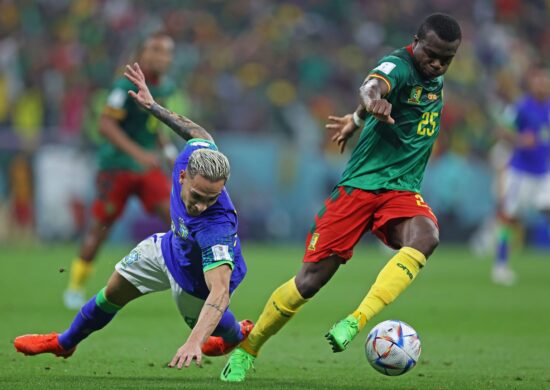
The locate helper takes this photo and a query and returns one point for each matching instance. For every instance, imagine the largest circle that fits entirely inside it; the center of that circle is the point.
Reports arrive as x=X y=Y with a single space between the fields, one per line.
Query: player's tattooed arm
x=216 y=306
x=182 y=126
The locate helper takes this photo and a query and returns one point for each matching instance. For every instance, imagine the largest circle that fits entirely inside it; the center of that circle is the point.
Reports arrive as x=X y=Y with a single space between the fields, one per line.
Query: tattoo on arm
x=215 y=306
x=184 y=127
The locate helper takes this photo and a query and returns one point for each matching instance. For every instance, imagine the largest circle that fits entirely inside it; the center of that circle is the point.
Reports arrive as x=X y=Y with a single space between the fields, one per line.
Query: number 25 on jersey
x=427 y=124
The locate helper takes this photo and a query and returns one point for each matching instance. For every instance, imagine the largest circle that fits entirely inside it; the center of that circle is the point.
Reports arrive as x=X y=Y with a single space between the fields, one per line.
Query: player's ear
x=415 y=41
x=182 y=175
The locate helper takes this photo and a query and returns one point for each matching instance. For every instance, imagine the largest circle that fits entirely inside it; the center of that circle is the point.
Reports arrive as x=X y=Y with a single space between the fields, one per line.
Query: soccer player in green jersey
x=399 y=114
x=128 y=164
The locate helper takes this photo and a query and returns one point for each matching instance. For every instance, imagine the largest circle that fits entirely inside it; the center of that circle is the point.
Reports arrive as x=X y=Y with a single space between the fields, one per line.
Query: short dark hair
x=445 y=26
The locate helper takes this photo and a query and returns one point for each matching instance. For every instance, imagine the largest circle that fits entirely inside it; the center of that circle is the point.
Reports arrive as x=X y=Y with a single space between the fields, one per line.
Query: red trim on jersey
x=410 y=49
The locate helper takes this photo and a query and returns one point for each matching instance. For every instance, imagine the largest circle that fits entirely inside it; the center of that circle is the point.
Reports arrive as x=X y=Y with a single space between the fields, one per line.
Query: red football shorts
x=115 y=187
x=349 y=212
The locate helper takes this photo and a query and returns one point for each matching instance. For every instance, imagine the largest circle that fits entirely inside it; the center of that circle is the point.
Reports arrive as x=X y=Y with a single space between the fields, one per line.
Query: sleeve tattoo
x=215 y=306
x=182 y=126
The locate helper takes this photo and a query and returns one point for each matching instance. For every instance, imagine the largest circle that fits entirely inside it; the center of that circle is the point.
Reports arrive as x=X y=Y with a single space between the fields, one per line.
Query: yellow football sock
x=80 y=272
x=392 y=280
x=279 y=309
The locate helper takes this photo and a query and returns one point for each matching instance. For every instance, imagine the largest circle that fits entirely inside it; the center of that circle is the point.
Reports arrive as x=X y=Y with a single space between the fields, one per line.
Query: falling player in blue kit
x=199 y=259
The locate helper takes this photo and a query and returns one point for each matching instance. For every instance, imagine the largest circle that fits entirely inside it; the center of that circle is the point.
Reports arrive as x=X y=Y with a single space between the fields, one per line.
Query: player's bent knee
x=120 y=291
x=428 y=243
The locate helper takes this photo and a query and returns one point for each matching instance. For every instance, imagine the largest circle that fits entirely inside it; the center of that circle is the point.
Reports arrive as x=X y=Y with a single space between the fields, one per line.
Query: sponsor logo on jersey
x=117 y=98
x=416 y=94
x=313 y=242
x=432 y=96
x=386 y=67
x=221 y=252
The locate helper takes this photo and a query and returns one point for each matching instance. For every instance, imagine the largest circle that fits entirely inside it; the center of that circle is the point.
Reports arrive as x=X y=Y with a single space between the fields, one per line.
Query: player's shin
x=392 y=280
x=80 y=272
x=279 y=309
x=503 y=245
x=228 y=328
x=94 y=315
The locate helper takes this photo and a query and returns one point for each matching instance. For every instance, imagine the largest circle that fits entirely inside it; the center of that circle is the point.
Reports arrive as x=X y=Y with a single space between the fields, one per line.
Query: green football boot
x=237 y=366
x=341 y=333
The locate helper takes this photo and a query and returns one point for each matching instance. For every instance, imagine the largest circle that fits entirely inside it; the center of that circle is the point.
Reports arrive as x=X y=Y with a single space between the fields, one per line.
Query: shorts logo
x=416 y=94
x=386 y=67
x=190 y=321
x=130 y=259
x=313 y=242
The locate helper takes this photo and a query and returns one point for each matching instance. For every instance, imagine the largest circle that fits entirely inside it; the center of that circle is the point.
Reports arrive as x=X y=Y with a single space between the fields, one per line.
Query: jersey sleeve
x=521 y=118
x=217 y=243
x=117 y=100
x=392 y=70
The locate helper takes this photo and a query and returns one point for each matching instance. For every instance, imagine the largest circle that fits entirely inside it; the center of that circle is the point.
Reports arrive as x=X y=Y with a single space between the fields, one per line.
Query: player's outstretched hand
x=185 y=355
x=381 y=110
x=343 y=128
x=143 y=97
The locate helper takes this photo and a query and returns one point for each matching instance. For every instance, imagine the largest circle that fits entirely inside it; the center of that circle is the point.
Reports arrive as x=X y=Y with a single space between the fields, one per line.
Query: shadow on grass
x=136 y=382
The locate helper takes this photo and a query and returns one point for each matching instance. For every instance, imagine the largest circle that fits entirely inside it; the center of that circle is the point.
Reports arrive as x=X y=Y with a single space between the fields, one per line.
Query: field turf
x=475 y=335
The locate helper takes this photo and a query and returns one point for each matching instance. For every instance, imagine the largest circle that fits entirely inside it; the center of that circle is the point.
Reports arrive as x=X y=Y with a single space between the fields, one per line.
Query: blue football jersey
x=533 y=116
x=196 y=244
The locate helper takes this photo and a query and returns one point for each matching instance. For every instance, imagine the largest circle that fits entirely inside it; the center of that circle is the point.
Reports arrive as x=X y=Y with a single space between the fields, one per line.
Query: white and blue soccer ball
x=393 y=347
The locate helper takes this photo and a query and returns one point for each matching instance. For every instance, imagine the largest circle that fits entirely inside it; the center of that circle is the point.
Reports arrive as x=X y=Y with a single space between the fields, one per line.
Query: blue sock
x=228 y=328
x=502 y=246
x=94 y=315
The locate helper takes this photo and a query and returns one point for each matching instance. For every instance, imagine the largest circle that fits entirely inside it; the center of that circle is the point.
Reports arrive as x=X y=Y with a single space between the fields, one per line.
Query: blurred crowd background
x=262 y=76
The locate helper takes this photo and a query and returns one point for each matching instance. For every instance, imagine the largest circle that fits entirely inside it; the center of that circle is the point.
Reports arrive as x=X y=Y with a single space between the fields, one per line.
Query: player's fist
x=381 y=110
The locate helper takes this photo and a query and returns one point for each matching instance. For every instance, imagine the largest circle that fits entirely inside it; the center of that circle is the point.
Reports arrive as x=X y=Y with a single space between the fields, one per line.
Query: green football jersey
x=138 y=124
x=394 y=156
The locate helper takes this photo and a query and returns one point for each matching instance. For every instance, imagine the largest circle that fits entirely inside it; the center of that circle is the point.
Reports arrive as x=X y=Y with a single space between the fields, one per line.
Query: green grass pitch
x=475 y=335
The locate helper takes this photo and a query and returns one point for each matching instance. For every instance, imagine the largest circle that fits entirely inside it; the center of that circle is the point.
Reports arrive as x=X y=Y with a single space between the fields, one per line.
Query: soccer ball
x=392 y=347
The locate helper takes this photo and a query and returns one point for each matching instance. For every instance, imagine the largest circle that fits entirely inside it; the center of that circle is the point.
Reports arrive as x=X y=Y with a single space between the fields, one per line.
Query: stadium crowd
x=254 y=67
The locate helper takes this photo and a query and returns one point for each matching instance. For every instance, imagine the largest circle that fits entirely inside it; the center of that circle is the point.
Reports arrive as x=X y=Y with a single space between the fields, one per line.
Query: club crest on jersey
x=313 y=242
x=416 y=94
x=182 y=230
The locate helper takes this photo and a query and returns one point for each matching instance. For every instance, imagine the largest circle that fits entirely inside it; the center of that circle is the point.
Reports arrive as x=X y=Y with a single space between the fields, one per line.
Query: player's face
x=157 y=54
x=199 y=193
x=538 y=83
x=432 y=55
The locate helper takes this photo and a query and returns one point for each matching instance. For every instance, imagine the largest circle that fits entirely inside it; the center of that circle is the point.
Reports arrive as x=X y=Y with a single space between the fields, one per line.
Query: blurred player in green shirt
x=399 y=114
x=128 y=160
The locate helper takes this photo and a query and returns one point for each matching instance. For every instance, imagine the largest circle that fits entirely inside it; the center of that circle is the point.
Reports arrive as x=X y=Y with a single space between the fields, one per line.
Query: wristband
x=359 y=122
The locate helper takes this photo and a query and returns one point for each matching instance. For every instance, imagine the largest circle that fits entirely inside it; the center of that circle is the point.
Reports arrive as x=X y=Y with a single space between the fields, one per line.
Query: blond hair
x=208 y=163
